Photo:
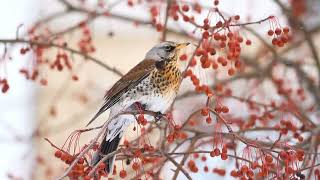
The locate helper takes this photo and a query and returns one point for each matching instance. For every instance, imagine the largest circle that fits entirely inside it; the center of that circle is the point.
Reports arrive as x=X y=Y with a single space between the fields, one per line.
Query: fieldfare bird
x=153 y=83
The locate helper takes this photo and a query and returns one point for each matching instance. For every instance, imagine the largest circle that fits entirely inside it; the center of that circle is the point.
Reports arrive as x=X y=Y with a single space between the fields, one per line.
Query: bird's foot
x=158 y=116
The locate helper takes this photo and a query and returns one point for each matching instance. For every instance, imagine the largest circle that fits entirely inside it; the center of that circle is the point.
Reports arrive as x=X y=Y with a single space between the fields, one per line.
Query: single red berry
x=206 y=169
x=216 y=152
x=185 y=8
x=204 y=111
x=43 y=82
x=208 y=120
x=206 y=21
x=102 y=166
x=244 y=169
x=75 y=77
x=216 y=36
x=286 y=30
x=283 y=155
x=219 y=24
x=270 y=32
x=278 y=31
x=225 y=109
x=130 y=3
x=248 y=42
x=237 y=64
x=214 y=65
x=237 y=17
x=5 y=87
x=183 y=57
x=205 y=35
x=230 y=35
x=123 y=174
x=58 y=154
x=231 y=71
x=289 y=170
x=275 y=41
x=224 y=156
x=159 y=27
x=234 y=173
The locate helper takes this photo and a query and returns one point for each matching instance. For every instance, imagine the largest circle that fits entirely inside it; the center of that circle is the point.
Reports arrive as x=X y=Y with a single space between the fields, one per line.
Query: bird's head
x=167 y=50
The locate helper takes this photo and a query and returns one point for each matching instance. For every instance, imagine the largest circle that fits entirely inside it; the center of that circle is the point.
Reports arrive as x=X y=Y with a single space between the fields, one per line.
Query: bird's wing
x=128 y=81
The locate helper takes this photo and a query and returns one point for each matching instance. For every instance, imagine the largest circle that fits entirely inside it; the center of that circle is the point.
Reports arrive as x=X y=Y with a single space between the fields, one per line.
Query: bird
x=153 y=83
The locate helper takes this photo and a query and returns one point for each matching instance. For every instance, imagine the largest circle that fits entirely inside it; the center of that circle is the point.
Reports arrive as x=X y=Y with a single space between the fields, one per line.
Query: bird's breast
x=165 y=85
x=167 y=79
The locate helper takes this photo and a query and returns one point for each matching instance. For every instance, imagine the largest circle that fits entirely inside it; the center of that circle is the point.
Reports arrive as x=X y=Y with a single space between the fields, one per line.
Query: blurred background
x=30 y=112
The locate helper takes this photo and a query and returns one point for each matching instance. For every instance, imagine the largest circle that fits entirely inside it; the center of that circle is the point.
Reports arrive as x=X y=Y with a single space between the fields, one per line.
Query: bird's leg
x=158 y=116
x=142 y=107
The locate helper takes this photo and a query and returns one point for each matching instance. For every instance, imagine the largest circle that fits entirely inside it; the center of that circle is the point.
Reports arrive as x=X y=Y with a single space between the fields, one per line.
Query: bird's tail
x=106 y=147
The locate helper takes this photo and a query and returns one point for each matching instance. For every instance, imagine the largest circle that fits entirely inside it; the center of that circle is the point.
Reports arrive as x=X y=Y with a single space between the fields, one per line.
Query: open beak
x=182 y=45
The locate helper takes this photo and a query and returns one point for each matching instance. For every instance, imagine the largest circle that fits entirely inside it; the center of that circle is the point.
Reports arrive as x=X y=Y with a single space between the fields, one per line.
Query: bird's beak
x=182 y=45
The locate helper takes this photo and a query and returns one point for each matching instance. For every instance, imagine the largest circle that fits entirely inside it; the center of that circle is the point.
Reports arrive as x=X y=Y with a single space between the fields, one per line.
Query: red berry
x=225 y=109
x=268 y=159
x=248 y=42
x=186 y=18
x=130 y=3
x=75 y=77
x=237 y=17
x=244 y=169
x=283 y=155
x=206 y=169
x=224 y=156
x=58 y=154
x=286 y=30
x=183 y=57
x=43 y=82
x=123 y=174
x=206 y=21
x=102 y=166
x=205 y=35
x=216 y=152
x=237 y=64
x=231 y=71
x=214 y=65
x=185 y=8
x=158 y=27
x=277 y=31
x=216 y=36
x=275 y=41
x=204 y=111
x=135 y=166
x=270 y=32
x=5 y=87
x=240 y=39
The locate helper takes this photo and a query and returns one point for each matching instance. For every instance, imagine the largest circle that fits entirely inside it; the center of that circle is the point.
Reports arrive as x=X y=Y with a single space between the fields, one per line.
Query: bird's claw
x=158 y=116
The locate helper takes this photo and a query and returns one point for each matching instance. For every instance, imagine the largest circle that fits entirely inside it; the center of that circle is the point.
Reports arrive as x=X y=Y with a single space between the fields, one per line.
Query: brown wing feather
x=125 y=83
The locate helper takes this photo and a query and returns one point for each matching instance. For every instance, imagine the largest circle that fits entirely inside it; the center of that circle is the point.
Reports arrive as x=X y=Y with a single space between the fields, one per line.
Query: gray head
x=165 y=50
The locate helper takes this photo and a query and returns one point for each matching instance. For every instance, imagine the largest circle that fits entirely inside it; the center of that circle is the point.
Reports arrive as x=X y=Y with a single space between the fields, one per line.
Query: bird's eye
x=168 y=48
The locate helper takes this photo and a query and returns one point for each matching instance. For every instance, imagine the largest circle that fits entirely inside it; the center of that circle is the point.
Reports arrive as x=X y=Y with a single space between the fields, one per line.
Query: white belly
x=158 y=103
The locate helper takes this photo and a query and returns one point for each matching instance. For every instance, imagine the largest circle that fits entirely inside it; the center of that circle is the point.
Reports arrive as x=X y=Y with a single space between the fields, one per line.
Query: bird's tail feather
x=107 y=147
